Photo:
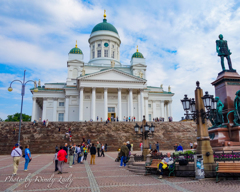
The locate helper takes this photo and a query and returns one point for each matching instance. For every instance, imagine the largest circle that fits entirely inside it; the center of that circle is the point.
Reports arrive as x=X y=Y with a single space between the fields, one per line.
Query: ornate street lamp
x=22 y=93
x=207 y=100
x=145 y=130
x=186 y=103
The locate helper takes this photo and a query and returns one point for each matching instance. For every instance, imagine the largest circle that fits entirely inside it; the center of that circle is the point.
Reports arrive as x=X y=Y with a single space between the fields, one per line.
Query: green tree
x=16 y=117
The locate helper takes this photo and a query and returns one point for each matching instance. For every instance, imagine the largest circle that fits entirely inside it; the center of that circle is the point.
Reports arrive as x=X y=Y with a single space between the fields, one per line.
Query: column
x=105 y=109
x=165 y=112
x=44 y=109
x=162 y=108
x=141 y=105
x=54 y=109
x=119 y=104
x=93 y=104
x=146 y=108
x=154 y=110
x=66 y=108
x=81 y=104
x=139 y=108
x=170 y=108
x=130 y=103
x=34 y=110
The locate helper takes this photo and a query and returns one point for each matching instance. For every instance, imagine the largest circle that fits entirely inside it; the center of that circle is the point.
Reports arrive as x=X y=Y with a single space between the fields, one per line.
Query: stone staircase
x=137 y=167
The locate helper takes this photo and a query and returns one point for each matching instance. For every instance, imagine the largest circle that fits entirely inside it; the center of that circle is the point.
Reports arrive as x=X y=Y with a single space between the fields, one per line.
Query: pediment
x=112 y=75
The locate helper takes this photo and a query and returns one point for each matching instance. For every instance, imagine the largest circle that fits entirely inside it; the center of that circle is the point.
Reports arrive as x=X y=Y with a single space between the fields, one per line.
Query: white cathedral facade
x=103 y=87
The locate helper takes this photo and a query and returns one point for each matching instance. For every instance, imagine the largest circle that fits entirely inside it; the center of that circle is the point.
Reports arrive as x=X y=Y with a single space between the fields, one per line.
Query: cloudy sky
x=177 y=38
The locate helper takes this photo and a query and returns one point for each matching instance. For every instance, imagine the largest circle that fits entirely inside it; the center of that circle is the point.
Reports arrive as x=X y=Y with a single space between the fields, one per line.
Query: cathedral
x=103 y=87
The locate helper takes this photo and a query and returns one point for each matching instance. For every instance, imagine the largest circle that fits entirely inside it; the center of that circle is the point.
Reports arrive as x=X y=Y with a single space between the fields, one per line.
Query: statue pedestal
x=226 y=85
x=218 y=136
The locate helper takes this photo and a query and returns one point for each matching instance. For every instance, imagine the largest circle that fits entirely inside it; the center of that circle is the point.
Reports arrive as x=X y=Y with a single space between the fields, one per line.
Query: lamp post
x=199 y=115
x=144 y=132
x=22 y=93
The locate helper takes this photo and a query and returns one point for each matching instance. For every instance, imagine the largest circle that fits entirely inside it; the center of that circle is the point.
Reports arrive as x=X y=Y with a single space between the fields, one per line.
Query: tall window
x=93 y=54
x=113 y=54
x=105 y=53
x=93 y=46
x=61 y=104
x=99 y=53
x=99 y=45
x=60 y=116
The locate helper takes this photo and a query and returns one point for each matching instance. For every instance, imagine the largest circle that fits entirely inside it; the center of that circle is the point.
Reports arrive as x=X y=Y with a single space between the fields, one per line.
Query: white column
x=105 y=109
x=93 y=104
x=170 y=108
x=130 y=103
x=154 y=109
x=165 y=112
x=34 y=108
x=139 y=108
x=119 y=104
x=54 y=109
x=66 y=108
x=162 y=108
x=141 y=105
x=44 y=109
x=146 y=108
x=81 y=104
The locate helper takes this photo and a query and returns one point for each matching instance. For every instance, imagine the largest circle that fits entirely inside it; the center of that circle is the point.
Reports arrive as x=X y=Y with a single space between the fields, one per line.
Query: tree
x=16 y=117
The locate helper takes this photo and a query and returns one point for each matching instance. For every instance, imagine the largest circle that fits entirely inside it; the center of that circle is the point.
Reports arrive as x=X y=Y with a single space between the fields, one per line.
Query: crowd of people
x=69 y=153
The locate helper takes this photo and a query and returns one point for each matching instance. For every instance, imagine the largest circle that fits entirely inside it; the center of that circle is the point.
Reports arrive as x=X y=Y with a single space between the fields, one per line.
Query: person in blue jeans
x=124 y=152
x=27 y=157
x=167 y=160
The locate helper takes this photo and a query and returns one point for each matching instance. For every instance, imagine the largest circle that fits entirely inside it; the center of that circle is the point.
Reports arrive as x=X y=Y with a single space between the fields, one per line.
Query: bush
x=189 y=152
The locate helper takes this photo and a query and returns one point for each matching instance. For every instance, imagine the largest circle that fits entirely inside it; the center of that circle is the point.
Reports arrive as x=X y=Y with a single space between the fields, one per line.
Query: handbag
x=23 y=156
x=30 y=160
x=65 y=160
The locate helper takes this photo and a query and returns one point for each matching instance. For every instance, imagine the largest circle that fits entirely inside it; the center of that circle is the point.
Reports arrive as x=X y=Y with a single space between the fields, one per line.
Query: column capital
x=141 y=90
x=161 y=101
x=105 y=88
x=119 y=89
x=81 y=88
x=146 y=98
x=93 y=88
x=130 y=89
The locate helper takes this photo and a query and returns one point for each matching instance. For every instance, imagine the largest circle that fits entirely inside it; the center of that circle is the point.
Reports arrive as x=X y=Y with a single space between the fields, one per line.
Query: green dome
x=76 y=50
x=137 y=55
x=104 y=26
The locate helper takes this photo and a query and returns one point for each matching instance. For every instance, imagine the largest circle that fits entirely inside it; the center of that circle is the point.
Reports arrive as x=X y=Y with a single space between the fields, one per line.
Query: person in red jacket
x=61 y=156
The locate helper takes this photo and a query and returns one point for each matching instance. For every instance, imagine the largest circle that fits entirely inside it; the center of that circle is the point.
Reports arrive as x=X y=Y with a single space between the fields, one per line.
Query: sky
x=177 y=38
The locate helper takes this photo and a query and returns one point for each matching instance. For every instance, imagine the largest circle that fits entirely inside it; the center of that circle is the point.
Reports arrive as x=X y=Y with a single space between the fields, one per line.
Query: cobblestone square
x=105 y=176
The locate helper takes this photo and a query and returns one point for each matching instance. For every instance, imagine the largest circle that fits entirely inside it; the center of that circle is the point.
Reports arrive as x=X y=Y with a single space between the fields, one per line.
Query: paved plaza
x=105 y=176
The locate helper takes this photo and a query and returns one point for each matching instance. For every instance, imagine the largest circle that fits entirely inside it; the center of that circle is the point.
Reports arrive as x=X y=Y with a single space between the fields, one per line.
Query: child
x=56 y=160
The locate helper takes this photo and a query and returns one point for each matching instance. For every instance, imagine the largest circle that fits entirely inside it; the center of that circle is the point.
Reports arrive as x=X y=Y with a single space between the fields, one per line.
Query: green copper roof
x=76 y=50
x=137 y=55
x=105 y=26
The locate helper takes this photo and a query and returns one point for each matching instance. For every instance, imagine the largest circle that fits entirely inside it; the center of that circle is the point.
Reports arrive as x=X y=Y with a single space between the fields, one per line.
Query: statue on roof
x=223 y=51
x=169 y=88
x=39 y=83
x=141 y=74
x=112 y=63
x=83 y=72
x=161 y=86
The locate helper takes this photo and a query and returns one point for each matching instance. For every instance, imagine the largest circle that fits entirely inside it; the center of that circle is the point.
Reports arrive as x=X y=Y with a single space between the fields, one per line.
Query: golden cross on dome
x=104 y=14
x=137 y=48
x=76 y=44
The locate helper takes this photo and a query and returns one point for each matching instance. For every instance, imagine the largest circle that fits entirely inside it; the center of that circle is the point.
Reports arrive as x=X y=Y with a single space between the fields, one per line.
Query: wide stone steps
x=138 y=168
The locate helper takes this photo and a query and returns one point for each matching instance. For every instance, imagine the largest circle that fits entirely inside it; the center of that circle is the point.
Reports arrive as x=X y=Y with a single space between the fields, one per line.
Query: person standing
x=97 y=118
x=93 y=154
x=123 y=154
x=150 y=146
x=55 y=159
x=16 y=154
x=85 y=152
x=71 y=153
x=65 y=148
x=128 y=146
x=27 y=157
x=47 y=123
x=157 y=146
x=106 y=147
x=61 y=156
x=134 y=118
x=132 y=147
x=102 y=151
x=191 y=145
x=141 y=146
x=180 y=148
x=98 y=148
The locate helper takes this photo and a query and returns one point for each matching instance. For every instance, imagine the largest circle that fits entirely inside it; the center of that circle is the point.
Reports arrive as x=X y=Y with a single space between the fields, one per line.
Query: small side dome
x=137 y=54
x=76 y=50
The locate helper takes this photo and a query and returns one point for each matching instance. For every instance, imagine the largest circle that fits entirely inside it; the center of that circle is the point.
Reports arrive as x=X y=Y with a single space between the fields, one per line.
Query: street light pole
x=22 y=93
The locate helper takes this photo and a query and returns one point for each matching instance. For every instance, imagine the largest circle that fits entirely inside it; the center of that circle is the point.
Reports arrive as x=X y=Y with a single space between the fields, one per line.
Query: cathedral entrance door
x=111 y=113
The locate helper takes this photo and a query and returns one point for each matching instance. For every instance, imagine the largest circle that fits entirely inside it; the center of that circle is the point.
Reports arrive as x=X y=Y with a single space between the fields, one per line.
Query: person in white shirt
x=191 y=145
x=16 y=154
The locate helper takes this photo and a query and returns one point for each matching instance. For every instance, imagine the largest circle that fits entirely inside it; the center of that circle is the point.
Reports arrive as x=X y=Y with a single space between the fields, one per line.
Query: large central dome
x=105 y=26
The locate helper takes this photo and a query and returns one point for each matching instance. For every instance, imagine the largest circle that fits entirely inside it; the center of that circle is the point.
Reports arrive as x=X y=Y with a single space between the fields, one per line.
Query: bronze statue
x=223 y=51
x=216 y=118
x=236 y=110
